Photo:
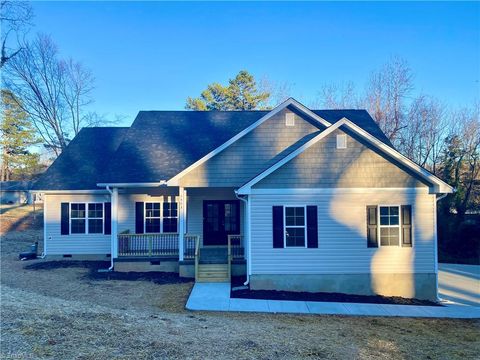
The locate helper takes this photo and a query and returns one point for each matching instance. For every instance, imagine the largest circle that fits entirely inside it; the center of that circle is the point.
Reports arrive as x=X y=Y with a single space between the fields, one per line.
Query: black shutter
x=65 y=219
x=312 y=227
x=407 y=225
x=372 y=240
x=139 y=209
x=277 y=217
x=107 y=228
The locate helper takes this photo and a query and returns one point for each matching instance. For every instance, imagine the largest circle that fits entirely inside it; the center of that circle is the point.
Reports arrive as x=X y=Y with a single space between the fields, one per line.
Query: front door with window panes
x=220 y=219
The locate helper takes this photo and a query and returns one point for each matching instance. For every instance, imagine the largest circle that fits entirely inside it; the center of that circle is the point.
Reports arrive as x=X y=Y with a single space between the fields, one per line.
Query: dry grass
x=65 y=313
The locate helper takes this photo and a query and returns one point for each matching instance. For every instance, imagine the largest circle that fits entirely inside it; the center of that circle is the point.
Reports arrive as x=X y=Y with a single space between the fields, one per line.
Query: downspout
x=247 y=236
x=111 y=240
x=436 y=240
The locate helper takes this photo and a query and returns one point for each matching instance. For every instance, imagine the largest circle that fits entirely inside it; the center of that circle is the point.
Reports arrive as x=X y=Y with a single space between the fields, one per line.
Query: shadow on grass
x=158 y=278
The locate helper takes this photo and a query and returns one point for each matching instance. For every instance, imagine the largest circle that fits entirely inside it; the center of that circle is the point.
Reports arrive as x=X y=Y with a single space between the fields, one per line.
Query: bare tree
x=426 y=128
x=337 y=96
x=279 y=92
x=386 y=95
x=53 y=92
x=76 y=91
x=15 y=19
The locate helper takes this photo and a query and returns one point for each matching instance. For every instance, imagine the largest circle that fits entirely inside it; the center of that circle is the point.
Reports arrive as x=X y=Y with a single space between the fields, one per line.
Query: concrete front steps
x=212 y=273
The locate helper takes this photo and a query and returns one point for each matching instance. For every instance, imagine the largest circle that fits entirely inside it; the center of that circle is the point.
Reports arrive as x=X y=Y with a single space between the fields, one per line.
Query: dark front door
x=220 y=219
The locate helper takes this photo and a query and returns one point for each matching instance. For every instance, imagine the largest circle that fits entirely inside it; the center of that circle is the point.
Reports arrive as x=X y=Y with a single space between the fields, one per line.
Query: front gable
x=323 y=165
x=255 y=151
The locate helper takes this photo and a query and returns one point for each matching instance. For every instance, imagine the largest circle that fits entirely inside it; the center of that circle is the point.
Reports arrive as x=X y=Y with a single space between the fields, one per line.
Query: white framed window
x=78 y=218
x=289 y=119
x=170 y=217
x=86 y=218
x=294 y=226
x=95 y=218
x=152 y=217
x=341 y=141
x=389 y=225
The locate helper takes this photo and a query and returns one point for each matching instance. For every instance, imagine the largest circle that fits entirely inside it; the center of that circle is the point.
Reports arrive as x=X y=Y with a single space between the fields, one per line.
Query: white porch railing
x=149 y=245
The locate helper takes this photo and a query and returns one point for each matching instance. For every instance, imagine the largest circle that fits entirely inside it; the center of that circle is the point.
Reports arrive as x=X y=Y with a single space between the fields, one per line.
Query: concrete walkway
x=459 y=283
x=458 y=286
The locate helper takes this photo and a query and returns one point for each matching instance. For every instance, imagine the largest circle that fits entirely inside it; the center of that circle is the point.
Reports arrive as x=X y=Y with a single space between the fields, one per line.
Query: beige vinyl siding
x=73 y=244
x=323 y=165
x=342 y=235
x=250 y=155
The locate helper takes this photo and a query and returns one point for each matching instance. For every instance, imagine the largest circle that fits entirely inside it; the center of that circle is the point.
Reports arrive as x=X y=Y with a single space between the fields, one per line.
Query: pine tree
x=17 y=135
x=241 y=93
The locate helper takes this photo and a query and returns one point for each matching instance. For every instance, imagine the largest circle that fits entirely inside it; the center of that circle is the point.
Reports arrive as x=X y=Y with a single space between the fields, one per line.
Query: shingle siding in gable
x=325 y=166
x=251 y=154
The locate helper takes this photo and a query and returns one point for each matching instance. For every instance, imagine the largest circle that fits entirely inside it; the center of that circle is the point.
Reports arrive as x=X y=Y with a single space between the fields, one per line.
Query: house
x=293 y=198
x=16 y=192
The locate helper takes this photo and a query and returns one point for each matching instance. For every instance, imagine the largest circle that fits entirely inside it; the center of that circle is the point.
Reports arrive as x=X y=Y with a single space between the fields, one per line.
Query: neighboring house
x=303 y=200
x=16 y=192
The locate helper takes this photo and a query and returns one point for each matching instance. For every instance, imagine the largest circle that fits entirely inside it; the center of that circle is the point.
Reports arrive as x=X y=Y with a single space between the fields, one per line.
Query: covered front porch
x=192 y=226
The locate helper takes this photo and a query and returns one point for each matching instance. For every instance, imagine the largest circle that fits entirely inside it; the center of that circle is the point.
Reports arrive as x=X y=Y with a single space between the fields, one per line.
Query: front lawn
x=66 y=310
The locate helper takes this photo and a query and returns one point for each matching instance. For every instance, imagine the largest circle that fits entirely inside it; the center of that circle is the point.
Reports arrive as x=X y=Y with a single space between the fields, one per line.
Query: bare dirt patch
x=67 y=311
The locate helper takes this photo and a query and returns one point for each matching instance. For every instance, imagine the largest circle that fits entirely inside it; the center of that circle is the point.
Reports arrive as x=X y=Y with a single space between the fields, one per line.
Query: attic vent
x=341 y=141
x=289 y=119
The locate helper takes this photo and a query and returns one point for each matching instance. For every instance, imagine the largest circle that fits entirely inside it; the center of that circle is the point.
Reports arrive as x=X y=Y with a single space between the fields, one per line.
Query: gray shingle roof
x=159 y=145
x=80 y=165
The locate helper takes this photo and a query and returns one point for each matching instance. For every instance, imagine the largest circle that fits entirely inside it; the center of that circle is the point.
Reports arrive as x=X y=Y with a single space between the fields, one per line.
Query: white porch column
x=114 y=223
x=182 y=208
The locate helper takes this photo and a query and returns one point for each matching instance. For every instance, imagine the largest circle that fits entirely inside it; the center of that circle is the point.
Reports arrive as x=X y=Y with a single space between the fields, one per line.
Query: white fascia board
x=328 y=191
x=131 y=185
x=439 y=186
x=289 y=102
x=97 y=191
x=243 y=190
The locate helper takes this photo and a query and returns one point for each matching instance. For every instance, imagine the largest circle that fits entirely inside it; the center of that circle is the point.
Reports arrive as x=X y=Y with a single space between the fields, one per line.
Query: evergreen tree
x=17 y=135
x=241 y=93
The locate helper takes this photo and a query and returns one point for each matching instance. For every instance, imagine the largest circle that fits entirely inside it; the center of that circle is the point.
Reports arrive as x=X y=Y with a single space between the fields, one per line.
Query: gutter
x=247 y=237
x=133 y=185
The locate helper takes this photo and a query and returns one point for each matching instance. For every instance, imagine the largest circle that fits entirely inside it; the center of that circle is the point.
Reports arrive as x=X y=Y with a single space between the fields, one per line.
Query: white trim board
x=439 y=185
x=53 y=192
x=129 y=185
x=327 y=191
x=289 y=102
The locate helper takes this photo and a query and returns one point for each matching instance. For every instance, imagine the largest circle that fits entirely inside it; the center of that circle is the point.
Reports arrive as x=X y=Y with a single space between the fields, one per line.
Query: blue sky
x=153 y=55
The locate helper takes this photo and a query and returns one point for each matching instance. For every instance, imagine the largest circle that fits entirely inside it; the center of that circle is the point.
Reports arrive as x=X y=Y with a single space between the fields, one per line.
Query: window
x=78 y=218
x=170 y=216
x=289 y=119
x=295 y=226
x=152 y=217
x=389 y=225
x=95 y=218
x=341 y=141
x=86 y=218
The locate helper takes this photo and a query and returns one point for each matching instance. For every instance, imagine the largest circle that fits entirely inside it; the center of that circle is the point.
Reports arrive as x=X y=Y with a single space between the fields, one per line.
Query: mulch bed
x=324 y=297
x=160 y=278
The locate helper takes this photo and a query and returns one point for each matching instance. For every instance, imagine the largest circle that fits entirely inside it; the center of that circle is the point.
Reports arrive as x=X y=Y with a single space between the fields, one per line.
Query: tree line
x=443 y=140
x=45 y=97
